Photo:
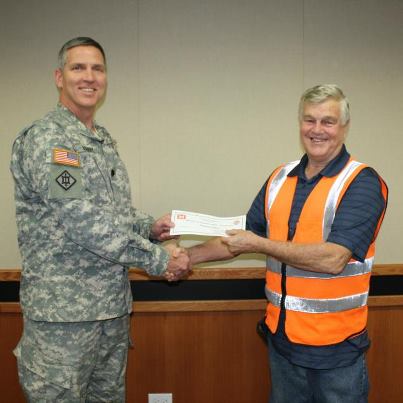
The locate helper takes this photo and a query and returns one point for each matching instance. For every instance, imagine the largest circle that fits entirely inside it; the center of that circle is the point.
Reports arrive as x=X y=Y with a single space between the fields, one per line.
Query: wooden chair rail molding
x=216 y=305
x=219 y=273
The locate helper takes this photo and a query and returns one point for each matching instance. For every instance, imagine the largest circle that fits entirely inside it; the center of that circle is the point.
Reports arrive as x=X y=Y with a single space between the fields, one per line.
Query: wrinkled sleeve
x=256 y=219
x=357 y=216
x=142 y=223
x=92 y=227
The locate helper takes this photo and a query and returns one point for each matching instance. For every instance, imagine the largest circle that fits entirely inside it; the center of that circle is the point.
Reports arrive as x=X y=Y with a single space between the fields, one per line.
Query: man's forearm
x=212 y=250
x=324 y=257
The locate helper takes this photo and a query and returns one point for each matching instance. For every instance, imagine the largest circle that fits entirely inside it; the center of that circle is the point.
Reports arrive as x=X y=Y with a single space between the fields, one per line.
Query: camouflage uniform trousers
x=74 y=361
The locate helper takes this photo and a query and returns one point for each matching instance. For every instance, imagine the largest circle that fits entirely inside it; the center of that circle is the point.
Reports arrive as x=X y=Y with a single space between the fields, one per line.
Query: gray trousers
x=74 y=361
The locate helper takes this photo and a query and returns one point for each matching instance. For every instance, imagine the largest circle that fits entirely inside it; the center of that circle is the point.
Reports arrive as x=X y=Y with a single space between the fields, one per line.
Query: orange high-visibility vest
x=321 y=308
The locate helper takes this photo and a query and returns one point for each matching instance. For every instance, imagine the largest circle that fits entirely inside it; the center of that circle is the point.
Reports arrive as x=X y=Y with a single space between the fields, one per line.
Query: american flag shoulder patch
x=66 y=157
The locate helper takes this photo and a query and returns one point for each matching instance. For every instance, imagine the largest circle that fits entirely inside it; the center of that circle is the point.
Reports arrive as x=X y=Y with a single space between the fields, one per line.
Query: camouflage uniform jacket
x=77 y=230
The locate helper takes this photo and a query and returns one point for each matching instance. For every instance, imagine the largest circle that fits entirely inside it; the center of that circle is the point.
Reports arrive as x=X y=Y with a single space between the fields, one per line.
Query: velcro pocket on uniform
x=56 y=373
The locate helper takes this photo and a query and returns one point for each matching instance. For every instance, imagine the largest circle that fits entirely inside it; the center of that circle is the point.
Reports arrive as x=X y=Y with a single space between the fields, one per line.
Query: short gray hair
x=72 y=43
x=321 y=93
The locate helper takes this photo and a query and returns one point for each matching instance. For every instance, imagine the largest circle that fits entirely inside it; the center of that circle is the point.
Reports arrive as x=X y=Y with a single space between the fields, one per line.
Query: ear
x=59 y=78
x=346 y=129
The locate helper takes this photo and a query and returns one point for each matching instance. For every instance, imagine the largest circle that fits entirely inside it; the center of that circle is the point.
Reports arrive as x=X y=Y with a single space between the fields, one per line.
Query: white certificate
x=187 y=222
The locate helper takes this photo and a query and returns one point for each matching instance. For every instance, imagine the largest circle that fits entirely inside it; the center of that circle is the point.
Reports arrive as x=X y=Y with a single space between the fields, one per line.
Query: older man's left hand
x=240 y=241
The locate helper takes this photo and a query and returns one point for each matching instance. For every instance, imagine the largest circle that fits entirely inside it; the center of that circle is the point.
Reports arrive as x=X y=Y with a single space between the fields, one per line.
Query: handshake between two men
x=231 y=239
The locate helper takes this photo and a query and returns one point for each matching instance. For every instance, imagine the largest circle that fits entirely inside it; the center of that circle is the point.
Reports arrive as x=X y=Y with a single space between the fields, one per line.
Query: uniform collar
x=331 y=169
x=101 y=134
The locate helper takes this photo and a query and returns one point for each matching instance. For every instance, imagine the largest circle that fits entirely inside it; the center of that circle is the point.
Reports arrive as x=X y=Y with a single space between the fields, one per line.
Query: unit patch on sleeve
x=65 y=182
x=65 y=157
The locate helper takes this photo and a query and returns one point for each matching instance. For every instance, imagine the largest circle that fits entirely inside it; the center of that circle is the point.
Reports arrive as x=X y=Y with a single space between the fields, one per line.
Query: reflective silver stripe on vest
x=278 y=181
x=276 y=184
x=351 y=269
x=309 y=305
x=333 y=196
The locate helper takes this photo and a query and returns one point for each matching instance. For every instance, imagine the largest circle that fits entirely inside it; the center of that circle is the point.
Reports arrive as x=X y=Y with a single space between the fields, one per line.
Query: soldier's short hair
x=321 y=93
x=78 y=41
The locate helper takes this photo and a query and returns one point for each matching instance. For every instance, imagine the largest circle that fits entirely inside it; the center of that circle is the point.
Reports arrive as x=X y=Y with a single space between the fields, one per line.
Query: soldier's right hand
x=179 y=263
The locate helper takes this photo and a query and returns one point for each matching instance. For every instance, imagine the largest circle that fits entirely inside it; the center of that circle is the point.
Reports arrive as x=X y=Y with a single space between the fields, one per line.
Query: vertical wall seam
x=138 y=197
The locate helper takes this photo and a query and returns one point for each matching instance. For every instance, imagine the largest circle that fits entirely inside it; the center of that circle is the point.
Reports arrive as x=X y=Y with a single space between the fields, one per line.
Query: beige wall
x=203 y=94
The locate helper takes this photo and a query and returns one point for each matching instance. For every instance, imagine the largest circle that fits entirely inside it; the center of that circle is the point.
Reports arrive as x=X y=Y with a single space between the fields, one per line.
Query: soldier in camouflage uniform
x=78 y=234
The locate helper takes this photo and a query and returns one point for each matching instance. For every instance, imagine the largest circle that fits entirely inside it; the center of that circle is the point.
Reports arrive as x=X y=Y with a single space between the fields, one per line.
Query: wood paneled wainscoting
x=197 y=339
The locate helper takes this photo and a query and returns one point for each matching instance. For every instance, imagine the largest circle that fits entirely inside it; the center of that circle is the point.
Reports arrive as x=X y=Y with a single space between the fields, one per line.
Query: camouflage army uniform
x=77 y=230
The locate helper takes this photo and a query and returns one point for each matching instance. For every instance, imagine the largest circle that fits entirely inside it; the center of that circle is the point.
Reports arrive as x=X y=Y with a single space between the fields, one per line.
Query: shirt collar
x=331 y=169
x=101 y=134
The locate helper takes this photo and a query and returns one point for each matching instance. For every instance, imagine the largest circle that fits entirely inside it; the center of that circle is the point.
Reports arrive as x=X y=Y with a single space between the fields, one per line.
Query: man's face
x=82 y=82
x=321 y=131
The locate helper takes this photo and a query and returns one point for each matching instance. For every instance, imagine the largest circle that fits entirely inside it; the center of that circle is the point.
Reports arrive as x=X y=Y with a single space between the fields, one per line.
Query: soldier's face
x=82 y=82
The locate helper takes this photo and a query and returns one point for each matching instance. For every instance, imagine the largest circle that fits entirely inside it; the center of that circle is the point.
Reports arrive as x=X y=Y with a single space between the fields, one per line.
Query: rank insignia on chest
x=65 y=157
